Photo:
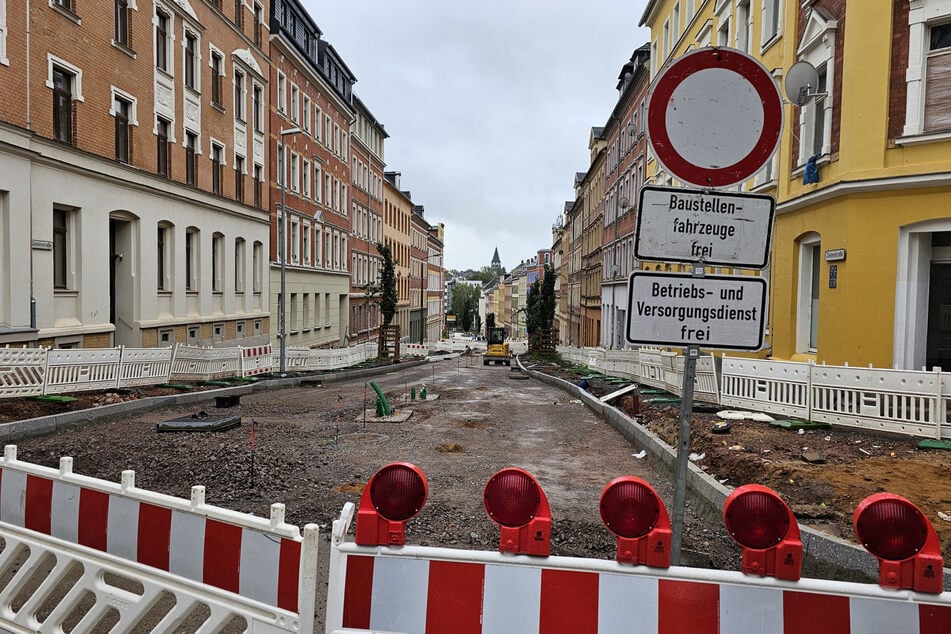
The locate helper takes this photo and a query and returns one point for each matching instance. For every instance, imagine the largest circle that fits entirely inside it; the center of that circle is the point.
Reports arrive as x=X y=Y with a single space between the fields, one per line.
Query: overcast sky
x=488 y=105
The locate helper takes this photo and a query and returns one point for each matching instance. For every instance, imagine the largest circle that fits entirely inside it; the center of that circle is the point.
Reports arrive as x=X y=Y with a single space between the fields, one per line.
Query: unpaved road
x=313 y=452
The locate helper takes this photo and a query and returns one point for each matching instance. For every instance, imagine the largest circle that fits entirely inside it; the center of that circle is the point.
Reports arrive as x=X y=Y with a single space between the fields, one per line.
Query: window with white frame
x=772 y=14
x=807 y=307
x=281 y=92
x=66 y=82
x=190 y=60
x=928 y=77
x=65 y=248
x=318 y=183
x=239 y=263
x=281 y=165
x=163 y=40
x=744 y=25
x=305 y=113
x=318 y=245
x=295 y=102
x=3 y=33
x=124 y=112
x=217 y=262
x=257 y=104
x=257 y=266
x=295 y=240
x=191 y=259
x=817 y=47
x=675 y=22
x=318 y=118
x=295 y=172
x=305 y=178
x=305 y=235
x=163 y=255
x=239 y=95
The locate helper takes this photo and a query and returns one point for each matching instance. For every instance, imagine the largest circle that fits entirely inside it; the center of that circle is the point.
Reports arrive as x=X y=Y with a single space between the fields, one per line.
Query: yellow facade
x=861 y=259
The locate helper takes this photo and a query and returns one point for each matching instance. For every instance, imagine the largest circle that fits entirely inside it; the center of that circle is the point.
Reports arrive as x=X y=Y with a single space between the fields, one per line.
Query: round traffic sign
x=714 y=117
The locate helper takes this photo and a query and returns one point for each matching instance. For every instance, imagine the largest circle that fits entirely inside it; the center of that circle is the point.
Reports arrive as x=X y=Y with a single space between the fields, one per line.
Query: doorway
x=122 y=282
x=938 y=351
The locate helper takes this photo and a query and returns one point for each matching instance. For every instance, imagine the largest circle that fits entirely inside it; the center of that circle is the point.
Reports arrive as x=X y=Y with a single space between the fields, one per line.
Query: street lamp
x=282 y=247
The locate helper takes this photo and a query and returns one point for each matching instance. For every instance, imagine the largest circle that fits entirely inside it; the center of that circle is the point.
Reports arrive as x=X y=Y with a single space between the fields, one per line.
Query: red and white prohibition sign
x=714 y=117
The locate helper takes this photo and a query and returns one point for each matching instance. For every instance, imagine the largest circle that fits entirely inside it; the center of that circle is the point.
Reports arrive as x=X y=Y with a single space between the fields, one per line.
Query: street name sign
x=717 y=228
x=714 y=117
x=680 y=309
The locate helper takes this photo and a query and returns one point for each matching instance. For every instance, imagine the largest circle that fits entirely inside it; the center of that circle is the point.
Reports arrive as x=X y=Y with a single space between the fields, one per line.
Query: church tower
x=496 y=262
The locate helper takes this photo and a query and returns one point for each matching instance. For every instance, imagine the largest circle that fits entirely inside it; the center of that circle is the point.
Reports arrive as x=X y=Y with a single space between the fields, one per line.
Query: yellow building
x=860 y=269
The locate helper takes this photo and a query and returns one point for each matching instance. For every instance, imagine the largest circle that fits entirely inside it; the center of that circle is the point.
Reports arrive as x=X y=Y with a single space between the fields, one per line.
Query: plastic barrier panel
x=22 y=371
x=428 y=590
x=238 y=565
x=145 y=366
x=80 y=369
x=256 y=360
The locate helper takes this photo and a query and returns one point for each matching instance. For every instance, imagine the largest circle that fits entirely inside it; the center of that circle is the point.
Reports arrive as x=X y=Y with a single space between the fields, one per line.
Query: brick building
x=131 y=163
x=311 y=107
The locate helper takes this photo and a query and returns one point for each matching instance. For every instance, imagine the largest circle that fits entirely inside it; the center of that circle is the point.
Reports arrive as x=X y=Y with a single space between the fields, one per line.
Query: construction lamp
x=393 y=496
x=903 y=540
x=635 y=514
x=515 y=501
x=761 y=523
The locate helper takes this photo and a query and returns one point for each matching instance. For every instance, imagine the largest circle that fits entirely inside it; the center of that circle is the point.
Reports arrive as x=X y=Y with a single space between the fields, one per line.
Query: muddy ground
x=314 y=452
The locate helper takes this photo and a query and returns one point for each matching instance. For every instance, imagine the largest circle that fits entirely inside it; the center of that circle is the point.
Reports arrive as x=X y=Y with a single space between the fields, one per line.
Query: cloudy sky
x=488 y=105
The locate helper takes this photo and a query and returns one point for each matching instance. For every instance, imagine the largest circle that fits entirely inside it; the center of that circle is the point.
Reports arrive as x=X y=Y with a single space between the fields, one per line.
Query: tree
x=540 y=310
x=485 y=275
x=465 y=304
x=387 y=286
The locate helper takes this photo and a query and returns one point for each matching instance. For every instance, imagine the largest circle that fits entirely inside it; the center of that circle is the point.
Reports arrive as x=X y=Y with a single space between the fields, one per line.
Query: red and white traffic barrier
x=263 y=561
x=256 y=360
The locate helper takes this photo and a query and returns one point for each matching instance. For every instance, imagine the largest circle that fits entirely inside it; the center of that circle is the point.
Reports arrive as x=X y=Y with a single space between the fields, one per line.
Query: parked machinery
x=497 y=349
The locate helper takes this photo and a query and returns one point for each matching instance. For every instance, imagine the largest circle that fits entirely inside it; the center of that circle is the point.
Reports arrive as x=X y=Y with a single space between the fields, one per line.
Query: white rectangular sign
x=722 y=229
x=678 y=309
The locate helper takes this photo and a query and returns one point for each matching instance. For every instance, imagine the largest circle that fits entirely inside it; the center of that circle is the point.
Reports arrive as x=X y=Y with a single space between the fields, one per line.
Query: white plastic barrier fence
x=192 y=363
x=78 y=369
x=256 y=360
x=144 y=366
x=225 y=567
x=419 y=590
x=22 y=371
x=776 y=387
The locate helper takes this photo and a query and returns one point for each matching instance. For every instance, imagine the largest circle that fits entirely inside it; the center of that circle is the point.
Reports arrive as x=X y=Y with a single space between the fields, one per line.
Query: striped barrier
x=22 y=371
x=205 y=364
x=427 y=590
x=256 y=360
x=259 y=569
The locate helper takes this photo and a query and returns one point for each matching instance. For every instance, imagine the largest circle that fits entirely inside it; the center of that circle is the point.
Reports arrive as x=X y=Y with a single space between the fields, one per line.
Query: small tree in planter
x=388 y=300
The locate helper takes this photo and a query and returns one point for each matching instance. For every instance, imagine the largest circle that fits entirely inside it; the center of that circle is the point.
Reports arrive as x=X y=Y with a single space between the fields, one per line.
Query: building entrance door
x=939 y=316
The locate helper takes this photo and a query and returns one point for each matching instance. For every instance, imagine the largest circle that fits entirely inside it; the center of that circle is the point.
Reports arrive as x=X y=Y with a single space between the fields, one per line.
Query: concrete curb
x=824 y=555
x=28 y=428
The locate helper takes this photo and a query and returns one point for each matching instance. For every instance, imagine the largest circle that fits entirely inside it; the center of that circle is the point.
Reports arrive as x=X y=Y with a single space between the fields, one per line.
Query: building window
x=239 y=258
x=318 y=183
x=257 y=266
x=217 y=255
x=63 y=252
x=257 y=105
x=807 y=312
x=258 y=24
x=305 y=178
x=63 y=120
x=121 y=32
x=305 y=113
x=217 y=160
x=163 y=248
x=281 y=92
x=258 y=180
x=281 y=169
x=239 y=178
x=239 y=95
x=295 y=241
x=191 y=259
x=815 y=117
x=239 y=13
x=295 y=172
x=191 y=46
x=317 y=122
x=163 y=162
x=216 y=72
x=191 y=158
x=295 y=102
x=744 y=25
x=772 y=20
x=123 y=114
x=162 y=41
x=938 y=78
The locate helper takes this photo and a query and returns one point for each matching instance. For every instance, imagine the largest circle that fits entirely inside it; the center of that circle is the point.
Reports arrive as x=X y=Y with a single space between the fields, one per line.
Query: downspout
x=29 y=126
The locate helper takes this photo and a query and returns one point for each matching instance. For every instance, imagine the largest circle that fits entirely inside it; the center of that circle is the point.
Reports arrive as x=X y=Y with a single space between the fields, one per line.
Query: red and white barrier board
x=256 y=360
x=266 y=566
x=429 y=590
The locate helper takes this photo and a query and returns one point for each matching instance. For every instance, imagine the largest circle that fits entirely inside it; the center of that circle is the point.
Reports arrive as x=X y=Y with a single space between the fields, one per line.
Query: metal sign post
x=683 y=452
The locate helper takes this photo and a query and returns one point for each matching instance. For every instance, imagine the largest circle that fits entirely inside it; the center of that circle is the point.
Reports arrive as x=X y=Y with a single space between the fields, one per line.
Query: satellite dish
x=801 y=82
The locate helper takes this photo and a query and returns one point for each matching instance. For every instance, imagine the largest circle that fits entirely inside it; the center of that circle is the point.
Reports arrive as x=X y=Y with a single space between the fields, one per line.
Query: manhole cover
x=363 y=437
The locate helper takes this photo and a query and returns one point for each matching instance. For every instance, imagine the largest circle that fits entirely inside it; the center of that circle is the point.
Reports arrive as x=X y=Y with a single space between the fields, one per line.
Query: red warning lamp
x=515 y=501
x=395 y=494
x=904 y=541
x=758 y=520
x=632 y=510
